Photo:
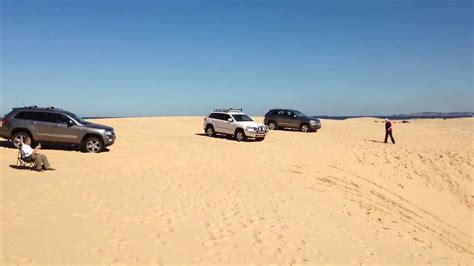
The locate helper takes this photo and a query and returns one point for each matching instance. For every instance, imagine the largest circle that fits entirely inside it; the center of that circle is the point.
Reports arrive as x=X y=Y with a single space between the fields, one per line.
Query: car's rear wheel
x=272 y=125
x=93 y=145
x=210 y=131
x=305 y=128
x=18 y=138
x=239 y=135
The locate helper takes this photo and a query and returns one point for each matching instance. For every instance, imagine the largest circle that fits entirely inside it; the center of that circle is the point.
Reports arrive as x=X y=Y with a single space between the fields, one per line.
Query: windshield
x=299 y=114
x=77 y=118
x=242 y=118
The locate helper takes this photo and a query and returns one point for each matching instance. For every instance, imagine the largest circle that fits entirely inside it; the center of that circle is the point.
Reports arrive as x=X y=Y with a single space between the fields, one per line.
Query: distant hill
x=437 y=115
x=421 y=115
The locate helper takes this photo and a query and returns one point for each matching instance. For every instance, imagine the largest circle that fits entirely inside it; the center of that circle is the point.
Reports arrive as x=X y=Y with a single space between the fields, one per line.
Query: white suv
x=235 y=123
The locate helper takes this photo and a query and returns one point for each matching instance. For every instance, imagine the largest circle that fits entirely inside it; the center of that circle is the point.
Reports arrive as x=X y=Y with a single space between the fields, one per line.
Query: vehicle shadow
x=49 y=146
x=227 y=137
x=5 y=144
x=293 y=130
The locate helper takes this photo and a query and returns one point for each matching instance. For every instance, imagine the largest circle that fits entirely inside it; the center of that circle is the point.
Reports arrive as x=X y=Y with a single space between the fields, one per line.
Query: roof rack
x=52 y=108
x=228 y=110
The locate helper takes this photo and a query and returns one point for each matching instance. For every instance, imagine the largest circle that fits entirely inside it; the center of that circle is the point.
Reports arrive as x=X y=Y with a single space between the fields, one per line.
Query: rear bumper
x=4 y=132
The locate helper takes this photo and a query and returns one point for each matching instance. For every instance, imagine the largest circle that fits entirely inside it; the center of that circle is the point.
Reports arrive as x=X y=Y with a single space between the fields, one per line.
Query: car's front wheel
x=93 y=145
x=305 y=128
x=259 y=139
x=18 y=138
x=240 y=135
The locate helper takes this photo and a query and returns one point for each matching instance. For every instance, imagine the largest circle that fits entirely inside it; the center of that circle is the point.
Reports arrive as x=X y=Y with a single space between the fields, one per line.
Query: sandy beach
x=165 y=193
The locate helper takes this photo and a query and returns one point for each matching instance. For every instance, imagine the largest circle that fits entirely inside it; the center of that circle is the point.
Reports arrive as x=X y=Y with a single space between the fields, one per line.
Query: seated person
x=40 y=160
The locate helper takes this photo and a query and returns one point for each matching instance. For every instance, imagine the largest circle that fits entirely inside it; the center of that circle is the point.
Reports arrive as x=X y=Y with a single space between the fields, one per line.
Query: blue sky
x=137 y=58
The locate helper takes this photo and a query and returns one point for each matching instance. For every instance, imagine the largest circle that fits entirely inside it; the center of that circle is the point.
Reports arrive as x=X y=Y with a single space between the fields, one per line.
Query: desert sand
x=165 y=193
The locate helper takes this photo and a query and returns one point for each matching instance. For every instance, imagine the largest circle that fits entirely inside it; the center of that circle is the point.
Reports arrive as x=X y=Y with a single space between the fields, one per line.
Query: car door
x=285 y=118
x=64 y=131
x=292 y=120
x=282 y=120
x=42 y=126
x=228 y=127
x=31 y=121
x=218 y=123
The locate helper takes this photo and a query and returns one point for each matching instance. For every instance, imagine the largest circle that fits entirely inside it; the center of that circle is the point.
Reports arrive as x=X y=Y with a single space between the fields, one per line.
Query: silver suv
x=233 y=122
x=55 y=125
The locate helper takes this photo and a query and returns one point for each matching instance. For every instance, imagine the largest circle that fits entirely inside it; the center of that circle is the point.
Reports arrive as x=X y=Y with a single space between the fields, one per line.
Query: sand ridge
x=165 y=193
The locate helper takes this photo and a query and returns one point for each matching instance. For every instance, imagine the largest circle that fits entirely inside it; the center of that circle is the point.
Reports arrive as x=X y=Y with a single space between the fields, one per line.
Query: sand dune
x=167 y=194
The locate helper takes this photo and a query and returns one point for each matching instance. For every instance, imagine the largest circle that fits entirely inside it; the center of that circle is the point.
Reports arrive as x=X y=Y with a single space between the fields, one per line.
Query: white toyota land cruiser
x=235 y=123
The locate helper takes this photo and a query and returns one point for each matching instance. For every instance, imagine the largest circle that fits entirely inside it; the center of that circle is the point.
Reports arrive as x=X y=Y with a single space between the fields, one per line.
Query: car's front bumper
x=109 y=140
x=315 y=127
x=255 y=134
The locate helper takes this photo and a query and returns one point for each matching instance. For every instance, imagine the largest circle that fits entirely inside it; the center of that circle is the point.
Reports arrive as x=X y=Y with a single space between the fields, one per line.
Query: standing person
x=41 y=161
x=388 y=130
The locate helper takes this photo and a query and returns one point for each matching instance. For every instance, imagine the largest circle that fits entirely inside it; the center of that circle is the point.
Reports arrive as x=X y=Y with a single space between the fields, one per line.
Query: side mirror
x=70 y=123
x=294 y=116
x=230 y=119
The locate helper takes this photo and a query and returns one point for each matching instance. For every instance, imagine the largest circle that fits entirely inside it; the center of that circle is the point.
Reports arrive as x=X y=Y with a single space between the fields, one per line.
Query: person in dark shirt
x=388 y=130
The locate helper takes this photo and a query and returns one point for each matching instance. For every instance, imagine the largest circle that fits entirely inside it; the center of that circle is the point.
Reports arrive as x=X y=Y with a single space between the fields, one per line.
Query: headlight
x=109 y=133
x=312 y=122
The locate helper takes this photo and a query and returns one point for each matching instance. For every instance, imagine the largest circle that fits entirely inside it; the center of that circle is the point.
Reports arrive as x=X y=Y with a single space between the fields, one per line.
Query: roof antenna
x=23 y=104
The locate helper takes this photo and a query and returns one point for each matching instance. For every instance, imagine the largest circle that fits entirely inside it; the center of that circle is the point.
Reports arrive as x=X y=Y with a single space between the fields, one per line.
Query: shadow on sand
x=49 y=146
x=293 y=130
x=6 y=144
x=219 y=136
x=17 y=167
x=375 y=141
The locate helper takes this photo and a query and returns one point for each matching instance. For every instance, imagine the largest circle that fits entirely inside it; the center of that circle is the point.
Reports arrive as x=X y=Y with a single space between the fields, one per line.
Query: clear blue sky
x=132 y=58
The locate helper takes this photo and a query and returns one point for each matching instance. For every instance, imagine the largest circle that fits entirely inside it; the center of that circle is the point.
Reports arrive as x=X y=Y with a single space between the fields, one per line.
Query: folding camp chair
x=24 y=162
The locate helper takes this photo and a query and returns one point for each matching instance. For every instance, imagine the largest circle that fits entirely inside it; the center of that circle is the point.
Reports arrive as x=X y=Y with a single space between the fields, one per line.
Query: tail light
x=4 y=121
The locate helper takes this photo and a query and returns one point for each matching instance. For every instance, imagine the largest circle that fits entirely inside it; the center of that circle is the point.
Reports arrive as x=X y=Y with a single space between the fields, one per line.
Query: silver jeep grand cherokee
x=55 y=125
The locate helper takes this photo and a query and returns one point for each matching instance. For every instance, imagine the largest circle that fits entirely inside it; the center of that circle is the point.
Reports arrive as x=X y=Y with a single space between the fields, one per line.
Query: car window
x=26 y=115
x=242 y=118
x=215 y=116
x=281 y=113
x=299 y=114
x=44 y=117
x=77 y=118
x=226 y=117
x=59 y=118
x=36 y=116
x=271 y=112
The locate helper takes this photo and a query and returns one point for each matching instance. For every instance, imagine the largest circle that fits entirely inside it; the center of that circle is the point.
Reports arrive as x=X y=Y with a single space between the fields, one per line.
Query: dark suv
x=287 y=118
x=55 y=125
